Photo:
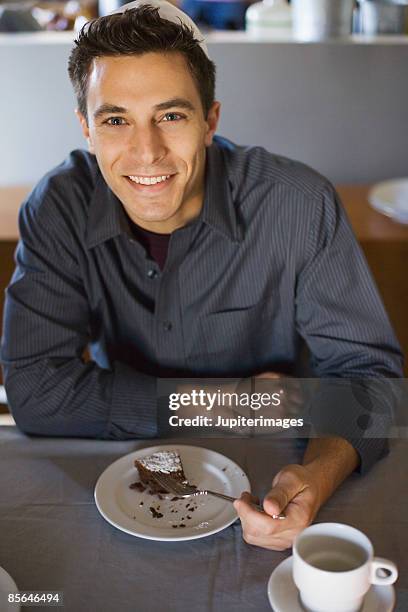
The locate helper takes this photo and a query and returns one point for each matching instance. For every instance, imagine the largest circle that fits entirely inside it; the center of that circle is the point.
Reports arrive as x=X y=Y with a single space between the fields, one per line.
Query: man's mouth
x=149 y=180
x=149 y=184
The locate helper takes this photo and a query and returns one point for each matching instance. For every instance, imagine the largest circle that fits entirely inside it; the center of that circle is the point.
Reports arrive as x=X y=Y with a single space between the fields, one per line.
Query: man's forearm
x=72 y=398
x=331 y=460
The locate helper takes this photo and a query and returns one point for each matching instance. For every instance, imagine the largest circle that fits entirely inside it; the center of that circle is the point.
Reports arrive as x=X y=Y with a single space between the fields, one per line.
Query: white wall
x=341 y=107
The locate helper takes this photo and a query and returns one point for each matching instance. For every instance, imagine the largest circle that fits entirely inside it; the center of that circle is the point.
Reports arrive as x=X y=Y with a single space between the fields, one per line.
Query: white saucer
x=283 y=594
x=7 y=585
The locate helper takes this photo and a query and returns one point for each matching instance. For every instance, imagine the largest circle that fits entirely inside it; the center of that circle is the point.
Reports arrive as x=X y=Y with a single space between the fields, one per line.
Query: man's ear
x=213 y=117
x=85 y=130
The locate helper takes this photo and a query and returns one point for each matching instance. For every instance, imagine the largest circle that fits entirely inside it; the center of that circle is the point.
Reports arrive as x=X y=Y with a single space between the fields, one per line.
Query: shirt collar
x=108 y=219
x=218 y=209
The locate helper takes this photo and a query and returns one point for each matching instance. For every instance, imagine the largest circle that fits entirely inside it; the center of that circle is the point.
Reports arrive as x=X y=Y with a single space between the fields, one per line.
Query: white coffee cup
x=334 y=567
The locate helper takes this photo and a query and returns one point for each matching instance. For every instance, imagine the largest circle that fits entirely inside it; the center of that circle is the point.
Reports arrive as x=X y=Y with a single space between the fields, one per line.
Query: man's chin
x=153 y=218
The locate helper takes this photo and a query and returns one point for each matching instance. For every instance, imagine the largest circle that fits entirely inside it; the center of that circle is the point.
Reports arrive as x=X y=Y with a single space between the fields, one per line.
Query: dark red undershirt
x=156 y=245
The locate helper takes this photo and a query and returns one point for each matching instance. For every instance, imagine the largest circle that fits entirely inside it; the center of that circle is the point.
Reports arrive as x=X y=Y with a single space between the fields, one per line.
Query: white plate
x=121 y=506
x=391 y=199
x=284 y=595
x=7 y=585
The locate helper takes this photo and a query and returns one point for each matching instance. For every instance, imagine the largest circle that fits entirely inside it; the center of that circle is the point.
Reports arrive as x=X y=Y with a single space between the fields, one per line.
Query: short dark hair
x=135 y=32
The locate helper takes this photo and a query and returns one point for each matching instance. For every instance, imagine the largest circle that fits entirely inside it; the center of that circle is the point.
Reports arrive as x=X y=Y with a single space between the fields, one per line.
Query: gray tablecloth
x=53 y=538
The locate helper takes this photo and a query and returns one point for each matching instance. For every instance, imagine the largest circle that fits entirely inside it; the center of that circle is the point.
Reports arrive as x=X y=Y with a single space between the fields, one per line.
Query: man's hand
x=291 y=400
x=295 y=491
x=225 y=410
x=289 y=389
x=298 y=491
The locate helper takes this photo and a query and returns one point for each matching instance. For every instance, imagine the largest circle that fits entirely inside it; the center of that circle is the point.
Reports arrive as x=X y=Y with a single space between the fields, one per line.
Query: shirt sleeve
x=341 y=317
x=50 y=388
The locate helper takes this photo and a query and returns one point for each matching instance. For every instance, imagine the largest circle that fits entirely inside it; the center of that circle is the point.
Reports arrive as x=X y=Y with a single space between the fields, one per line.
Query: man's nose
x=147 y=145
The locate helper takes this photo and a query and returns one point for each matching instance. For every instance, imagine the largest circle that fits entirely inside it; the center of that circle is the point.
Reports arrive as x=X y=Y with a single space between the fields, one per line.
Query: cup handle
x=379 y=563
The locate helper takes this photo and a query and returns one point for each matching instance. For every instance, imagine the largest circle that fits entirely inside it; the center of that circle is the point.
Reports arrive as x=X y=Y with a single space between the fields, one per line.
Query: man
x=171 y=252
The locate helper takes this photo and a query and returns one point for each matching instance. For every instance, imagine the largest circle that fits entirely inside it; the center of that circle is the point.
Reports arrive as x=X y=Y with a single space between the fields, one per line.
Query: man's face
x=147 y=128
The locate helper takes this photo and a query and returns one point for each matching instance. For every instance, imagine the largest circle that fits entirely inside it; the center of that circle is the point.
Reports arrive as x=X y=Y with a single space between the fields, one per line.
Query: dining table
x=52 y=537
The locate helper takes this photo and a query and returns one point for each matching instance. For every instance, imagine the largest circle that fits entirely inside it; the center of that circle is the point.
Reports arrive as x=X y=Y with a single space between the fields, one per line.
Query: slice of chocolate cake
x=162 y=462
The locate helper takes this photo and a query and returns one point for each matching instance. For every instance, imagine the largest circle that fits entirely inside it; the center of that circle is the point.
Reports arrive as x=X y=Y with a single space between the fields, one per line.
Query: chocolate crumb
x=137 y=485
x=154 y=512
x=189 y=517
x=182 y=525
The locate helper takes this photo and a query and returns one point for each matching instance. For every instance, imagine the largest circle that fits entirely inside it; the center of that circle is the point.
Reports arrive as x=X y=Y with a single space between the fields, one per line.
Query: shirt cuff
x=133 y=411
x=360 y=411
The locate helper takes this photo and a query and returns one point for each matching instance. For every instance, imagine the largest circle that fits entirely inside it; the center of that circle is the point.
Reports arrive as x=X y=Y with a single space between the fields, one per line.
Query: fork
x=185 y=489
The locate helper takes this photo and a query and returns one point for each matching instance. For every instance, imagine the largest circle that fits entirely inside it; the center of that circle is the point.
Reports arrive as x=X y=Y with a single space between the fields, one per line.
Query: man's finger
x=270 y=375
x=255 y=525
x=248 y=513
x=276 y=500
x=248 y=499
x=286 y=487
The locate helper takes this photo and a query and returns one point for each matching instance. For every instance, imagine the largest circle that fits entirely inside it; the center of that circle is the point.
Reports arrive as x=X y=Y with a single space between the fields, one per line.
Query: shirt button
x=167 y=326
x=152 y=273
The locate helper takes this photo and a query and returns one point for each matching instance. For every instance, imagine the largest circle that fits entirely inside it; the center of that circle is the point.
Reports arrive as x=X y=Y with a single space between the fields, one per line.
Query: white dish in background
x=284 y=595
x=7 y=585
x=121 y=506
x=391 y=199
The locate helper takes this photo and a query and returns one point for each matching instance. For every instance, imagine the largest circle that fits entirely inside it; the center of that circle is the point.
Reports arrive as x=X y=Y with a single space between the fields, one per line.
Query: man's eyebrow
x=106 y=109
x=175 y=102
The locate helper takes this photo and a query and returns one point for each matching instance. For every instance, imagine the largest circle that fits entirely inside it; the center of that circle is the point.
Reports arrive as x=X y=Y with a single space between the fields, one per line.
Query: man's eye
x=173 y=117
x=115 y=121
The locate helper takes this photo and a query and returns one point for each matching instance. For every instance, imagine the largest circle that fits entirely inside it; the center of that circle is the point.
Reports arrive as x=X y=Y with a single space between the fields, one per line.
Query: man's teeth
x=149 y=180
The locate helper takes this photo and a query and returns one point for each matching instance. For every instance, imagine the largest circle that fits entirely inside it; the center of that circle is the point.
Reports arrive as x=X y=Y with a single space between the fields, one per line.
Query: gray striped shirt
x=270 y=262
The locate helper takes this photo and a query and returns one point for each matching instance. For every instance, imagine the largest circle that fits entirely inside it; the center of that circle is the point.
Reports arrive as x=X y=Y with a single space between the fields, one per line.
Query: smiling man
x=170 y=252
x=149 y=132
